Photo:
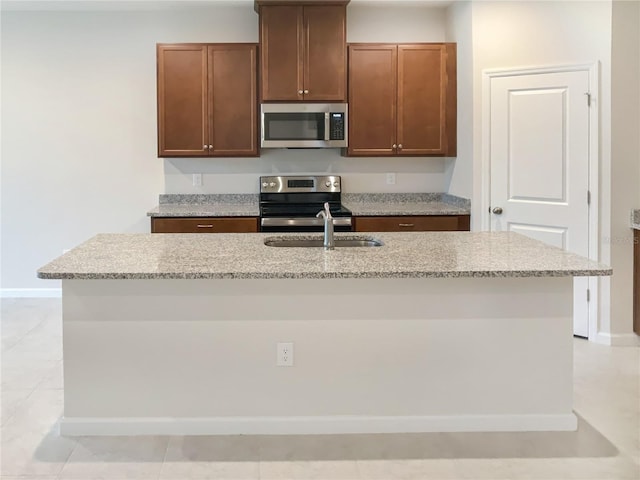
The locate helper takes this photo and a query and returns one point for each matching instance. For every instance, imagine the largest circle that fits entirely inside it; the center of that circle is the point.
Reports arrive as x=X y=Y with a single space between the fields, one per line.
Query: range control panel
x=300 y=184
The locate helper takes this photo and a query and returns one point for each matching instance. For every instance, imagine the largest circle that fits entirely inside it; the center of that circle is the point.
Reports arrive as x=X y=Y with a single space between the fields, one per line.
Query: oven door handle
x=302 y=222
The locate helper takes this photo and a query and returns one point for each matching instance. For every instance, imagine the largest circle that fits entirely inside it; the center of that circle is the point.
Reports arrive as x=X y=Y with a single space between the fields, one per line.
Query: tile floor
x=606 y=445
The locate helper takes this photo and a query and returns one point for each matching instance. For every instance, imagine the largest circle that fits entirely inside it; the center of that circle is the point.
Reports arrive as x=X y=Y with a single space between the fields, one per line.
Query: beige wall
x=79 y=122
x=79 y=126
x=460 y=30
x=625 y=158
x=535 y=34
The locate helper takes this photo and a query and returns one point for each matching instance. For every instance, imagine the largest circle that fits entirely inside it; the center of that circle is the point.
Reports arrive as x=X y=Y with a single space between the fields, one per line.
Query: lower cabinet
x=636 y=281
x=419 y=223
x=204 y=225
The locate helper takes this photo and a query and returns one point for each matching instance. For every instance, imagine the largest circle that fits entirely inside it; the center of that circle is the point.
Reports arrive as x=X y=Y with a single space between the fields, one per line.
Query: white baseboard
x=618 y=339
x=30 y=292
x=316 y=425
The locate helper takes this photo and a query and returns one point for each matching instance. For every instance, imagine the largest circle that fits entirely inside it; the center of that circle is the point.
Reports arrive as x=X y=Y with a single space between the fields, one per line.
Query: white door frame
x=594 y=160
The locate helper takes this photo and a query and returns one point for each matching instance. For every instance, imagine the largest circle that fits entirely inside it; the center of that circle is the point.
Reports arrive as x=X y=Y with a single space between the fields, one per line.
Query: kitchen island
x=446 y=331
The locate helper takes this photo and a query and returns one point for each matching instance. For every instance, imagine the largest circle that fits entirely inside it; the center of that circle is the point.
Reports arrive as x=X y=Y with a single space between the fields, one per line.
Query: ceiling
x=132 y=5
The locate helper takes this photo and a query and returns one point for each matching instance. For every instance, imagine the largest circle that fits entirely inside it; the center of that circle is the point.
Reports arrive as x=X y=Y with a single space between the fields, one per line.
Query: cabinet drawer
x=423 y=223
x=204 y=225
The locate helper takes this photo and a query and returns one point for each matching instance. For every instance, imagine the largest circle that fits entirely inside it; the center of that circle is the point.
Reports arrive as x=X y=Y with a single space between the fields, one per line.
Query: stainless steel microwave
x=304 y=125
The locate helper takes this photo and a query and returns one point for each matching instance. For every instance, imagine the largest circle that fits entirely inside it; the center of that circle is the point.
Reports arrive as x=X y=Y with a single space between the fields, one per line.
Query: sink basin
x=318 y=242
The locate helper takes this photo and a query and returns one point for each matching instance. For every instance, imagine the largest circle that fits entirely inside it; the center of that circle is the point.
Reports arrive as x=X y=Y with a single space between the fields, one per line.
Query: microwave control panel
x=336 y=126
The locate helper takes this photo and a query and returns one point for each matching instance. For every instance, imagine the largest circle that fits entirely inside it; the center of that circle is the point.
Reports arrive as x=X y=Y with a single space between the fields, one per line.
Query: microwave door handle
x=327 y=133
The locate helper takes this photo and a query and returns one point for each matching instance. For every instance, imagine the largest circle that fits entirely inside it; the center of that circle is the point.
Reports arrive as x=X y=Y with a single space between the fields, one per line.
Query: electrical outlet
x=197 y=179
x=284 y=354
x=391 y=178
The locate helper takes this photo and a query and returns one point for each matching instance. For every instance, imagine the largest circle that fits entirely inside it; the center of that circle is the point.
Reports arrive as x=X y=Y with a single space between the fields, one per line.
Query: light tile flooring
x=606 y=445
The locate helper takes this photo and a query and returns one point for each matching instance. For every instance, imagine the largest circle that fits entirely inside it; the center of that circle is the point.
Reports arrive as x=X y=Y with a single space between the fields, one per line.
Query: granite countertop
x=403 y=255
x=206 y=210
x=360 y=204
x=635 y=219
x=385 y=204
x=207 y=205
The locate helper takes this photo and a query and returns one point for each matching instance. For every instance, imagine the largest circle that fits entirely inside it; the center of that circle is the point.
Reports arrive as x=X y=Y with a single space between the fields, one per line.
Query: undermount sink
x=318 y=242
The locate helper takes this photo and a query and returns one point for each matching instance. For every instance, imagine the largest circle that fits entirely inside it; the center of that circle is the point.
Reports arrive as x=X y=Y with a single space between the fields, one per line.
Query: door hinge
x=588 y=94
x=588 y=295
x=588 y=197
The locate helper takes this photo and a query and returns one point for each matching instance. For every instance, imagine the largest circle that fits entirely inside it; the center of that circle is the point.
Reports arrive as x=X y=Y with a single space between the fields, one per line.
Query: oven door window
x=294 y=126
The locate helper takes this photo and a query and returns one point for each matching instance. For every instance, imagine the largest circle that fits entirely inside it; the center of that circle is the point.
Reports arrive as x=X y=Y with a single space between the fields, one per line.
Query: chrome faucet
x=328 y=226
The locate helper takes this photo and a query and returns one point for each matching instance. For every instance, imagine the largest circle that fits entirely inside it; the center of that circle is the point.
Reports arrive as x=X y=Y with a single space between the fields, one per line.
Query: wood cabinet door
x=281 y=41
x=233 y=100
x=413 y=223
x=325 y=53
x=204 y=225
x=372 y=99
x=422 y=80
x=182 y=100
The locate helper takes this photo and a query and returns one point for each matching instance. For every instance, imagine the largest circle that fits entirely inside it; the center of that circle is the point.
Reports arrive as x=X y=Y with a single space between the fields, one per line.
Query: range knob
x=335 y=184
x=327 y=183
x=272 y=184
x=265 y=184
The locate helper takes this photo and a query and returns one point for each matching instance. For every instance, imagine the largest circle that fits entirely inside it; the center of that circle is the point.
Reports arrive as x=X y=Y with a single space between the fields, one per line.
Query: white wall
x=79 y=123
x=460 y=30
x=533 y=34
x=625 y=158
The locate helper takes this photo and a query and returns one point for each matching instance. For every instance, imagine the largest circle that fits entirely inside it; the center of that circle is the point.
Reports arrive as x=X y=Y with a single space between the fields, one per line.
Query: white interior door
x=539 y=160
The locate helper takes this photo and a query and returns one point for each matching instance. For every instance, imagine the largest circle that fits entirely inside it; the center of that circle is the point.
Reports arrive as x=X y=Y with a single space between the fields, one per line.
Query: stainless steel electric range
x=291 y=203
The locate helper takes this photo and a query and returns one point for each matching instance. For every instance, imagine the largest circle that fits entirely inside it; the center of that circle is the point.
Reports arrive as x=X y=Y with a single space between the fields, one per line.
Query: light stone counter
x=205 y=210
x=361 y=204
x=365 y=209
x=207 y=205
x=244 y=256
x=386 y=204
x=635 y=219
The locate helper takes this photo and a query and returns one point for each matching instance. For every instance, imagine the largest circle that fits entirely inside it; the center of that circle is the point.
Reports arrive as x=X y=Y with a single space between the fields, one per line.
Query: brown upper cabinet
x=207 y=100
x=303 y=50
x=402 y=99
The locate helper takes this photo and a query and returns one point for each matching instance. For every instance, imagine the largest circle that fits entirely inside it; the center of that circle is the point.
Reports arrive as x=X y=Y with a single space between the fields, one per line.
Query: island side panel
x=434 y=354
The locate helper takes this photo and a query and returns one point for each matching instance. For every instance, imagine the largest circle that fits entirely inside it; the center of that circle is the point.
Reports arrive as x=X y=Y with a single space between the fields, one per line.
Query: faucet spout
x=328 y=227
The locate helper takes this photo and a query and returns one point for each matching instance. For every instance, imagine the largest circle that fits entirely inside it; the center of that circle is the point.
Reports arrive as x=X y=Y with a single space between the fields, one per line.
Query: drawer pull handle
x=205 y=226
x=405 y=224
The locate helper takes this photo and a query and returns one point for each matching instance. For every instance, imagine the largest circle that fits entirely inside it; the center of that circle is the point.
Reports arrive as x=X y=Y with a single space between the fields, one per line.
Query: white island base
x=370 y=355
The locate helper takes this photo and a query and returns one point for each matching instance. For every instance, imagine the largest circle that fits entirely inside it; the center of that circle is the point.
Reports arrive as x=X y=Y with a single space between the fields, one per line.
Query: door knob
x=300 y=92
x=497 y=210
x=306 y=91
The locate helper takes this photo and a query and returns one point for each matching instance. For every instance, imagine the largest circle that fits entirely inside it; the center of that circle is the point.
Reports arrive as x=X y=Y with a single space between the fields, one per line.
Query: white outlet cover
x=284 y=357
x=197 y=179
x=391 y=178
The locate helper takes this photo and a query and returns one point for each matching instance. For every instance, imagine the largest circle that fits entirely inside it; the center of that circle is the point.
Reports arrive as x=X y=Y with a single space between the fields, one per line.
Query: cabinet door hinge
x=588 y=197
x=588 y=295
x=588 y=94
